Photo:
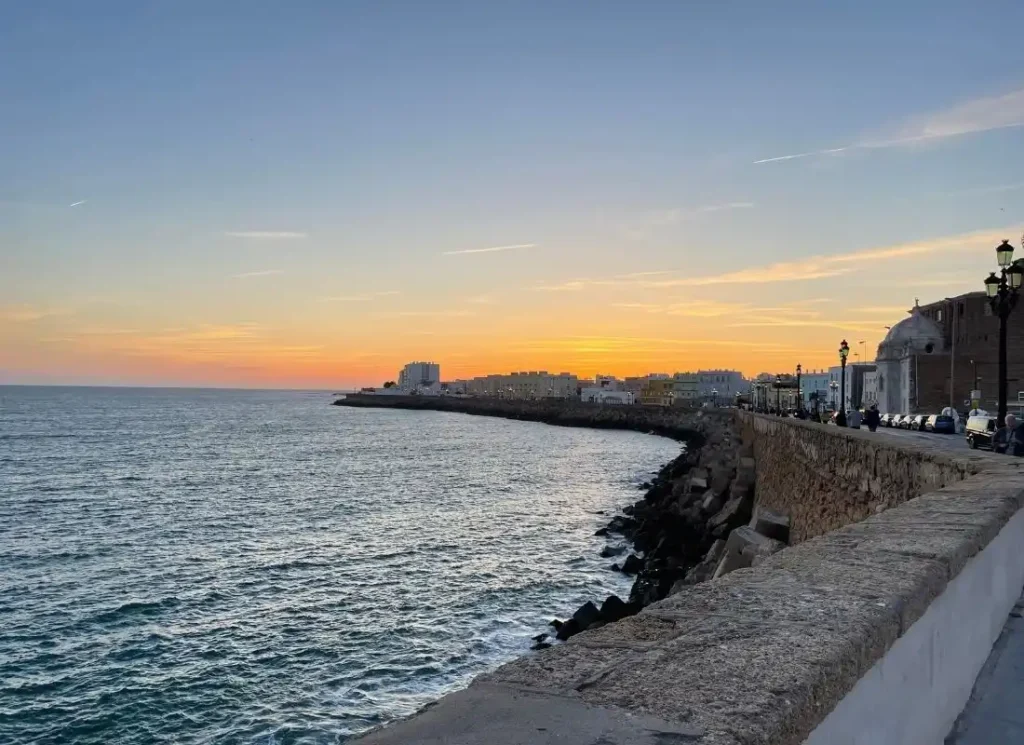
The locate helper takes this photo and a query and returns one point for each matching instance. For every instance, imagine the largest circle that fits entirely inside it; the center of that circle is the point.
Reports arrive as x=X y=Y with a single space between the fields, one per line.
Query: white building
x=419 y=374
x=814 y=384
x=609 y=383
x=597 y=395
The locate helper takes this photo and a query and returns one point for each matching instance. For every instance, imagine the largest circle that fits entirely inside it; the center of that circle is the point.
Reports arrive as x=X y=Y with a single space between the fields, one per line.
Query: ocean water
x=199 y=566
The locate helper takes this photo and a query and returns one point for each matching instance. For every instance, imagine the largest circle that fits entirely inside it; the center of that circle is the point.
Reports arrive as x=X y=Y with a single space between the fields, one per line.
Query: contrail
x=75 y=204
x=489 y=250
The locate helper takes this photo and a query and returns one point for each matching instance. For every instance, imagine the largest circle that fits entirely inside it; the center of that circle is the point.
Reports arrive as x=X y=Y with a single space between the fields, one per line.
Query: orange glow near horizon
x=628 y=325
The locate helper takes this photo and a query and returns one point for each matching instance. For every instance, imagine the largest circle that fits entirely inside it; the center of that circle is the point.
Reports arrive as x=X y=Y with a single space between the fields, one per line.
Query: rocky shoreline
x=695 y=521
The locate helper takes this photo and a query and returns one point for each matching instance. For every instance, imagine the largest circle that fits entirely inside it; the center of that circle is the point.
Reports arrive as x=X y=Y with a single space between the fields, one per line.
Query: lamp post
x=778 y=395
x=844 y=352
x=833 y=386
x=1002 y=294
x=799 y=396
x=714 y=397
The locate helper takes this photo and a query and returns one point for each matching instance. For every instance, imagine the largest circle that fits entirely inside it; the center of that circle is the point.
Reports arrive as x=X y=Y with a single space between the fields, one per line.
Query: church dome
x=917 y=334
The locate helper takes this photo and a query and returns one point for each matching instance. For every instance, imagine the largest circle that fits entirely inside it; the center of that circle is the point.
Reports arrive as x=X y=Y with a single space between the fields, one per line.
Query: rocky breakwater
x=677 y=423
x=696 y=521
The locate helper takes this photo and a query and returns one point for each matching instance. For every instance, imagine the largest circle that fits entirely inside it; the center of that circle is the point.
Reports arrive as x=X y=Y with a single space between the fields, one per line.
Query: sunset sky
x=310 y=194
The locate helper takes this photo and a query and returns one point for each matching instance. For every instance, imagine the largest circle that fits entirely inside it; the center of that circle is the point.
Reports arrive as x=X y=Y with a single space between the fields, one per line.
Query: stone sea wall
x=825 y=477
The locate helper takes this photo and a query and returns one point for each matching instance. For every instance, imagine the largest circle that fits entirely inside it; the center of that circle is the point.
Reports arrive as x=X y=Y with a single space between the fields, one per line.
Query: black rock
x=645 y=486
x=615 y=568
x=601 y=531
x=620 y=524
x=597 y=624
x=540 y=637
x=586 y=614
x=609 y=551
x=555 y=624
x=541 y=645
x=567 y=629
x=613 y=609
x=632 y=564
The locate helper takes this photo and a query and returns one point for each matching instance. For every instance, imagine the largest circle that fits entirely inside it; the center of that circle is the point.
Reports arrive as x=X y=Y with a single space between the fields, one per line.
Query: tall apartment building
x=417 y=374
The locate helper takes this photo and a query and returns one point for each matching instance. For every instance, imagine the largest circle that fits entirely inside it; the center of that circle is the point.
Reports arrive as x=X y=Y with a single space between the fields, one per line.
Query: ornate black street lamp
x=1002 y=294
x=799 y=397
x=714 y=397
x=778 y=395
x=844 y=352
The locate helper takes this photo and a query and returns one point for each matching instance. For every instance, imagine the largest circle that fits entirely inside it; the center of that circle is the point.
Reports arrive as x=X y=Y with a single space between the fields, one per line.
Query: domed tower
x=915 y=335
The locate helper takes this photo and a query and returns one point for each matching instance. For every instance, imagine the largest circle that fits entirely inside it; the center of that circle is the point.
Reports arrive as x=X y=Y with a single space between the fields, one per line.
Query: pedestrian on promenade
x=872 y=418
x=1009 y=439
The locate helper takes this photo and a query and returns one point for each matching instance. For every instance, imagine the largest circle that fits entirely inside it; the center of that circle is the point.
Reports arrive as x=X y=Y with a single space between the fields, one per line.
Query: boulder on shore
x=743 y=547
x=735 y=513
x=609 y=551
x=613 y=609
x=771 y=524
x=586 y=614
x=705 y=570
x=632 y=565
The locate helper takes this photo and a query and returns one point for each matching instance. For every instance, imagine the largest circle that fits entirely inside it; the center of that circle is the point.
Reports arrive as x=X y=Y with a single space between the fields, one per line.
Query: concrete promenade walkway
x=995 y=713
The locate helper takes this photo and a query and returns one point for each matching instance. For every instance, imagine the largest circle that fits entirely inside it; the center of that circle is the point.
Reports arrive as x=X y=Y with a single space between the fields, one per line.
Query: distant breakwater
x=678 y=424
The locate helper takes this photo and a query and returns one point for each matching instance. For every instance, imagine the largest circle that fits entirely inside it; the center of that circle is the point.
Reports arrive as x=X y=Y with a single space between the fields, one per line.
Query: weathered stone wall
x=825 y=477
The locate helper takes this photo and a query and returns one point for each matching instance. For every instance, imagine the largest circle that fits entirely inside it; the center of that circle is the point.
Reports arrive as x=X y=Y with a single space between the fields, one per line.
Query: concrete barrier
x=872 y=632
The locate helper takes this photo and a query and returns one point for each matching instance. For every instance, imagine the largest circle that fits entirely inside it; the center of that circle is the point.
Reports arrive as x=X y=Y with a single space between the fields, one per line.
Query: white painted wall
x=913 y=695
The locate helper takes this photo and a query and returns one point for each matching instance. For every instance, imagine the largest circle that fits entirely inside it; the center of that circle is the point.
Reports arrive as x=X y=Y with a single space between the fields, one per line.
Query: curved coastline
x=666 y=543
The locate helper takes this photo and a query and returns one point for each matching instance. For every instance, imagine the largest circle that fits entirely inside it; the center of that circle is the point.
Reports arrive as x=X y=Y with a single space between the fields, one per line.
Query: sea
x=226 y=566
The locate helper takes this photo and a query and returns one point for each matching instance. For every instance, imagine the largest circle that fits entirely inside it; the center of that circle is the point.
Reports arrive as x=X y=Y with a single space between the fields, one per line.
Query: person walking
x=872 y=418
x=1009 y=438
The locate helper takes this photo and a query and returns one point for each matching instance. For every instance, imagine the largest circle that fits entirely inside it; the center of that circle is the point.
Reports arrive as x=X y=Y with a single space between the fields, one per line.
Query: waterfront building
x=814 y=385
x=942 y=351
x=419 y=374
x=658 y=392
x=606 y=396
x=608 y=383
x=686 y=389
x=525 y=385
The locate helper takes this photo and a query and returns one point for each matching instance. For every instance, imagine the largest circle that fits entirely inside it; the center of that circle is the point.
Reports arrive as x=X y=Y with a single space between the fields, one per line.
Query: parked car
x=980 y=430
x=940 y=423
x=887 y=420
x=917 y=422
x=903 y=421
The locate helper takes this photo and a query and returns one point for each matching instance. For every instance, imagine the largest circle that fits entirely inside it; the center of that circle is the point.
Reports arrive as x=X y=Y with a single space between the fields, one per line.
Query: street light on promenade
x=833 y=386
x=1002 y=294
x=844 y=352
x=799 y=397
x=778 y=395
x=714 y=397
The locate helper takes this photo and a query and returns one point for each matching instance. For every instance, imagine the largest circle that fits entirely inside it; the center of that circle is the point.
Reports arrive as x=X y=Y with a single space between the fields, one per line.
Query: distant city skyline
x=311 y=195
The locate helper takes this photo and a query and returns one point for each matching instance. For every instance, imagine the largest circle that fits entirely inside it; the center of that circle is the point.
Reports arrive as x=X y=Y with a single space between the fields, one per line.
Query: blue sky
x=240 y=164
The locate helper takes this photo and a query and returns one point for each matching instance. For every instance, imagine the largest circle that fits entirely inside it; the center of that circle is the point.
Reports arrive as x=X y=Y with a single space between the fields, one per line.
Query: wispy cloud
x=819 y=267
x=28 y=313
x=75 y=204
x=979 y=115
x=260 y=273
x=490 y=250
x=481 y=300
x=425 y=314
x=812 y=267
x=265 y=234
x=362 y=296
